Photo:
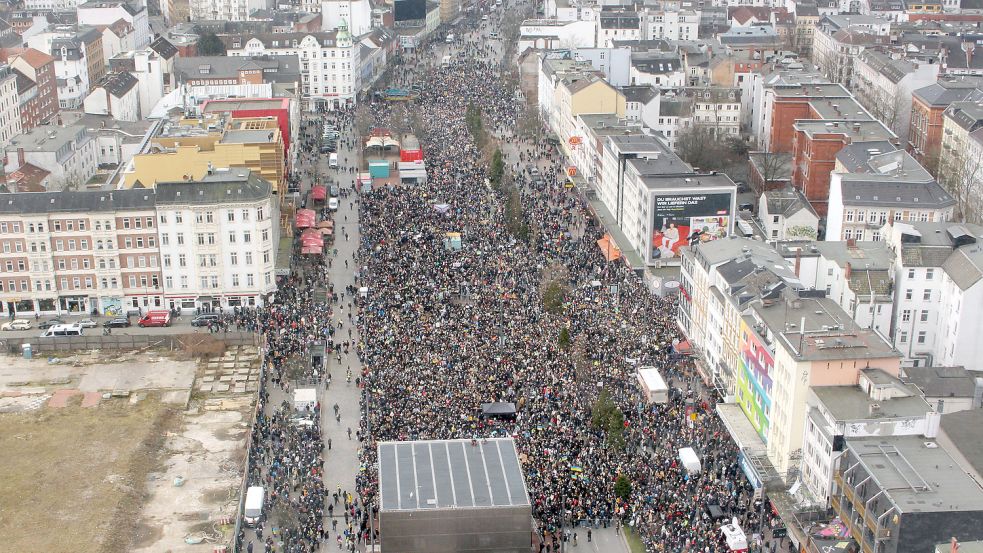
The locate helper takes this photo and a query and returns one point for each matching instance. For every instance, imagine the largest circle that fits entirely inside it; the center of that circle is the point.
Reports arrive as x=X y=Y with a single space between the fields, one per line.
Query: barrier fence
x=129 y=341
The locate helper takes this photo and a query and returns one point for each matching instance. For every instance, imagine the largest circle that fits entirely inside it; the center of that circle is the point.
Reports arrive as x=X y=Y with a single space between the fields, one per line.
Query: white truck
x=653 y=386
x=253 y=511
x=690 y=460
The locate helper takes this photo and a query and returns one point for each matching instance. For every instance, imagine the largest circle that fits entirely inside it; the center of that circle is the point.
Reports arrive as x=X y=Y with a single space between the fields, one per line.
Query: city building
x=225 y=70
x=10 y=120
x=108 y=12
x=880 y=404
x=927 y=106
x=550 y=34
x=153 y=68
x=79 y=60
x=786 y=214
x=67 y=152
x=884 y=85
x=466 y=496
x=116 y=95
x=330 y=63
x=839 y=39
x=961 y=157
x=37 y=87
x=904 y=494
x=789 y=344
x=355 y=14
x=187 y=148
x=946 y=389
x=78 y=252
x=218 y=238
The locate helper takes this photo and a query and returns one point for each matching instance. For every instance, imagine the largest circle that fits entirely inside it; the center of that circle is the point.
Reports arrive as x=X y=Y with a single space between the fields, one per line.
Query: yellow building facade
x=191 y=146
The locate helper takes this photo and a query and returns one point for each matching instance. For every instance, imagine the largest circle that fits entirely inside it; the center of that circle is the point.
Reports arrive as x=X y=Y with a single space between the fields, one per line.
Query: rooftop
x=918 y=478
x=860 y=255
x=233 y=185
x=46 y=138
x=963 y=430
x=450 y=474
x=946 y=91
x=942 y=382
x=850 y=403
x=76 y=201
x=786 y=201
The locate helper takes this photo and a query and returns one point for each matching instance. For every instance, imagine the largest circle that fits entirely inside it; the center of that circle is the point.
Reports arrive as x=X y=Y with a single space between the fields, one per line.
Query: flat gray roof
x=918 y=478
x=450 y=474
x=850 y=403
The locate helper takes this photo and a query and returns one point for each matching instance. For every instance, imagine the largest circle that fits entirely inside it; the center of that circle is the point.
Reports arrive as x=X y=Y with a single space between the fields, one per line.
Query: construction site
x=113 y=451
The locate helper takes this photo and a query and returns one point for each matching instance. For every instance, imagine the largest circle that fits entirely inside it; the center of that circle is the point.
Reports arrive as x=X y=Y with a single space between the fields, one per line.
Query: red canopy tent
x=305 y=218
x=319 y=193
x=311 y=250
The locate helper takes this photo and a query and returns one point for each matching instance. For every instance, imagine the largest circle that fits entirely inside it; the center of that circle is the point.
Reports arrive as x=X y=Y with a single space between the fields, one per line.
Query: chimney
x=798 y=262
x=20 y=158
x=851 y=243
x=848 y=270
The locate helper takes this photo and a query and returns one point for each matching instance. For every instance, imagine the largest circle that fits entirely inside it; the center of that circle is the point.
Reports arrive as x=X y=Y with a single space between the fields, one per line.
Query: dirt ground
x=74 y=477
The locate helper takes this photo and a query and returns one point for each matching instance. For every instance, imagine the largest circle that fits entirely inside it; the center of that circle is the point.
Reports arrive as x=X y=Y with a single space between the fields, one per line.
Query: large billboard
x=754 y=381
x=683 y=219
x=409 y=10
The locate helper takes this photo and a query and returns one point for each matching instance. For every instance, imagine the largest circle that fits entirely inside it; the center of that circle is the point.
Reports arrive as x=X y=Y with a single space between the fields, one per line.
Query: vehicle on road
x=62 y=330
x=446 y=60
x=450 y=38
x=16 y=324
x=333 y=161
x=493 y=35
x=334 y=190
x=484 y=17
x=50 y=323
x=118 y=322
x=333 y=204
x=87 y=323
x=205 y=320
x=254 y=505
x=156 y=318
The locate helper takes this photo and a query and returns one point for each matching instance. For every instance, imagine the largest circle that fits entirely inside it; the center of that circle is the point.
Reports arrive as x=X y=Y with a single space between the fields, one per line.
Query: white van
x=63 y=330
x=450 y=38
x=445 y=61
x=333 y=161
x=255 y=496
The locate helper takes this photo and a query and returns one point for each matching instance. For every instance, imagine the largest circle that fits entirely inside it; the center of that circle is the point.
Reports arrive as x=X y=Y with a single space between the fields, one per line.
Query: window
x=906 y=315
x=199 y=217
x=204 y=282
x=268 y=278
x=57 y=225
x=213 y=260
x=929 y=274
x=911 y=273
x=211 y=238
x=232 y=238
x=924 y=316
x=927 y=294
x=182 y=260
x=214 y=281
x=167 y=261
x=247 y=237
x=232 y=215
x=249 y=279
x=245 y=214
x=234 y=258
x=847 y=234
x=849 y=216
x=235 y=280
x=133 y=281
x=249 y=258
x=168 y=282
x=137 y=222
x=921 y=336
x=209 y=217
x=861 y=216
x=165 y=240
x=201 y=239
x=202 y=261
x=128 y=243
x=266 y=257
x=126 y=223
x=266 y=235
x=908 y=293
x=178 y=218
x=180 y=239
x=139 y=241
x=163 y=218
x=184 y=281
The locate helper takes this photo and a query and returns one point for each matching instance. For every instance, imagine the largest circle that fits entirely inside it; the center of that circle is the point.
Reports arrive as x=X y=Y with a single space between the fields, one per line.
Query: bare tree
x=961 y=174
x=771 y=166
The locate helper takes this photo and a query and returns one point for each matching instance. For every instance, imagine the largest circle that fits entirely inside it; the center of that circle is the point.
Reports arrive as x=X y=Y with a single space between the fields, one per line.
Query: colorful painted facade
x=754 y=380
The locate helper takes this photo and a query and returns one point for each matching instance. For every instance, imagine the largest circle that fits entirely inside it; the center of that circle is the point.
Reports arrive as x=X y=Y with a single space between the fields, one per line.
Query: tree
x=209 y=44
x=553 y=298
x=770 y=166
x=607 y=417
x=699 y=146
x=563 y=340
x=961 y=173
x=622 y=487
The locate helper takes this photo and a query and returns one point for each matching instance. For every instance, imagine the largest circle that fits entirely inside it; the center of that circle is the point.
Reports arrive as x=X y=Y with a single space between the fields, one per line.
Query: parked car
x=205 y=320
x=333 y=204
x=16 y=324
x=118 y=322
x=50 y=323
x=335 y=191
x=87 y=323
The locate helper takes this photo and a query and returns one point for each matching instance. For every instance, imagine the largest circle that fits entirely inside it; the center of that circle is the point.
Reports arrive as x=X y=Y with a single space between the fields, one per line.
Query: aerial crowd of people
x=445 y=328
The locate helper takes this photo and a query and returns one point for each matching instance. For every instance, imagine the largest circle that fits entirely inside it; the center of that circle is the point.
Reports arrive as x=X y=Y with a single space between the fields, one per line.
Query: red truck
x=156 y=318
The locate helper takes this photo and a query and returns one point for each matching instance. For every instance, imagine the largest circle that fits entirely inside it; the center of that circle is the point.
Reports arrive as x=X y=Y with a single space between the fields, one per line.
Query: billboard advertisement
x=409 y=10
x=684 y=219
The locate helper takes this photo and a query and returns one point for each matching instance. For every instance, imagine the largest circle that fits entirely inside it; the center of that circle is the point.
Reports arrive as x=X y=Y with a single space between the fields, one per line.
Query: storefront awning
x=318 y=193
x=609 y=248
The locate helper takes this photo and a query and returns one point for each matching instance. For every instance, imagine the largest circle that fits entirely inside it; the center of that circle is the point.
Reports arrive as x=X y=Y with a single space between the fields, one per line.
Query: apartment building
x=884 y=85
x=10 y=121
x=78 y=252
x=927 y=106
x=188 y=147
x=904 y=494
x=218 y=240
x=107 y=12
x=839 y=39
x=36 y=86
x=330 y=62
x=67 y=152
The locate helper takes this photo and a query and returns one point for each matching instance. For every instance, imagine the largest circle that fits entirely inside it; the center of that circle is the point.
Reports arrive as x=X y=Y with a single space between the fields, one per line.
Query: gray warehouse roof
x=450 y=474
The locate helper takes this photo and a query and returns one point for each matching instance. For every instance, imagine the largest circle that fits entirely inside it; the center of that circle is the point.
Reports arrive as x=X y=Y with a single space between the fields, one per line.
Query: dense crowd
x=446 y=330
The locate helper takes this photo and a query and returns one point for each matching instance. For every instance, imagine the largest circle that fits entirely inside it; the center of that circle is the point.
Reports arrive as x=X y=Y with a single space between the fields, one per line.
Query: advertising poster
x=682 y=220
x=112 y=306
